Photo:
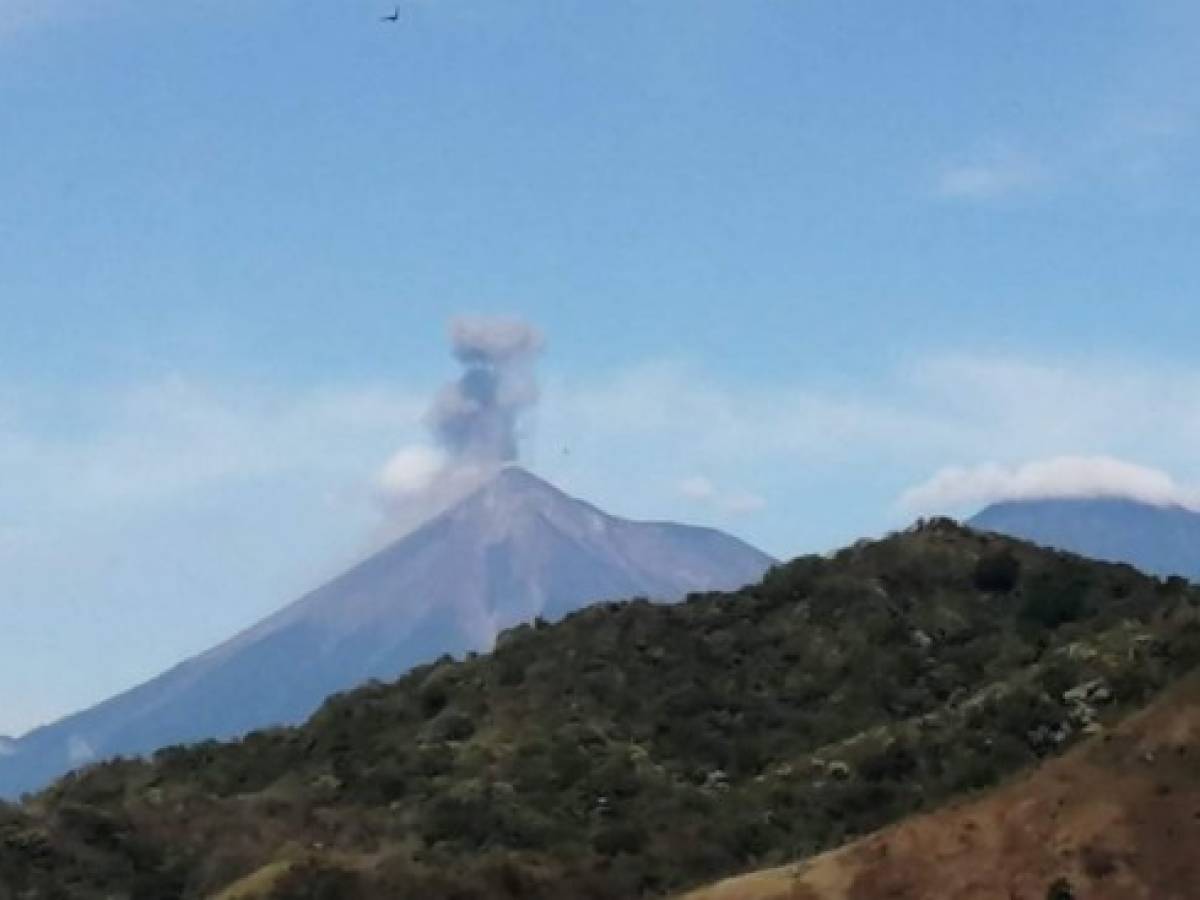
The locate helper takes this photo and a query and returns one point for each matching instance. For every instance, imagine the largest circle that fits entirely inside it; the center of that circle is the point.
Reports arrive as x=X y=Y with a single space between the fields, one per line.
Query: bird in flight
x=394 y=17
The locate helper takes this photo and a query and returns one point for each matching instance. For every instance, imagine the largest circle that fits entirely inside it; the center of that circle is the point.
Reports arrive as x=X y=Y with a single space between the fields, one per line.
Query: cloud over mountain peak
x=1060 y=477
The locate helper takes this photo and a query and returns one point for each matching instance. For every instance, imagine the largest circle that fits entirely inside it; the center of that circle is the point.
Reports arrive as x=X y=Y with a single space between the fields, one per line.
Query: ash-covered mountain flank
x=515 y=549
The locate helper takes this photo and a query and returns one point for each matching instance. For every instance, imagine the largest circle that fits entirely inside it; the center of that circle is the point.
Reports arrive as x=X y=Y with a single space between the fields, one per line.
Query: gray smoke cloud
x=476 y=419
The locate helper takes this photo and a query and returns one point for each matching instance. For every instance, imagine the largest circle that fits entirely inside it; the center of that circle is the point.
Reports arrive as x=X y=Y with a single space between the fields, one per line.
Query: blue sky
x=792 y=260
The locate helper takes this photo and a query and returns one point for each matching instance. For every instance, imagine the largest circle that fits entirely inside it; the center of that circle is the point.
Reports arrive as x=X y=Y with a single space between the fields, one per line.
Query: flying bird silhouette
x=394 y=17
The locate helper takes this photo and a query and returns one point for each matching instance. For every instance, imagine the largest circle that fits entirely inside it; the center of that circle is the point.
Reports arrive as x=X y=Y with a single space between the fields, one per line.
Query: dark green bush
x=997 y=572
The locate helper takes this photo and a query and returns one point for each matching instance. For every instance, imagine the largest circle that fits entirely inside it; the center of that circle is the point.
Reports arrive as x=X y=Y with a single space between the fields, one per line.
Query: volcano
x=1160 y=540
x=516 y=549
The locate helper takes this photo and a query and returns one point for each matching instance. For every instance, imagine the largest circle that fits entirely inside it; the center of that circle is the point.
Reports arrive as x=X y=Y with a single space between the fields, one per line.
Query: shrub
x=621 y=838
x=997 y=572
x=1053 y=602
x=894 y=762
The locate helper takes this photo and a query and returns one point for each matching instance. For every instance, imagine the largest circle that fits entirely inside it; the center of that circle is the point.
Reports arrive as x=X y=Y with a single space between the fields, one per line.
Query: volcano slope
x=514 y=549
x=1118 y=817
x=639 y=750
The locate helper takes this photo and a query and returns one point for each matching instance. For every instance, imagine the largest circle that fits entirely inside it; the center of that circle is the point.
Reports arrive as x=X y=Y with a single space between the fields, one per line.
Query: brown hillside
x=1118 y=818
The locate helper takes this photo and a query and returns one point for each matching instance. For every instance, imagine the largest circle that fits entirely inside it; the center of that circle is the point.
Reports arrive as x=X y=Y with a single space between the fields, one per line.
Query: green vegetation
x=635 y=749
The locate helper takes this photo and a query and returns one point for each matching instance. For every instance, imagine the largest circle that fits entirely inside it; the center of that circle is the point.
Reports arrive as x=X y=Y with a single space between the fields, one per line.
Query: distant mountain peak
x=1162 y=539
x=513 y=477
x=511 y=489
x=515 y=548
x=517 y=502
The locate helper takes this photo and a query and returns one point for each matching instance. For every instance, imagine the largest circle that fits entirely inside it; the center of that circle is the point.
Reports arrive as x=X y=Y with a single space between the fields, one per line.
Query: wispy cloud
x=705 y=418
x=1140 y=147
x=971 y=487
x=992 y=174
x=148 y=443
x=145 y=503
x=988 y=416
x=1132 y=147
x=701 y=490
x=21 y=15
x=179 y=510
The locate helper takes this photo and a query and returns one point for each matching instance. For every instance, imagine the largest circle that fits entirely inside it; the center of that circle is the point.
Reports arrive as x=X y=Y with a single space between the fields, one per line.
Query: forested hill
x=636 y=749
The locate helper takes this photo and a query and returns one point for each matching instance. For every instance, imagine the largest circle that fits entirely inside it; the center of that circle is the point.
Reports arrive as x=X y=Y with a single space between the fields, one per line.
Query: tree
x=997 y=572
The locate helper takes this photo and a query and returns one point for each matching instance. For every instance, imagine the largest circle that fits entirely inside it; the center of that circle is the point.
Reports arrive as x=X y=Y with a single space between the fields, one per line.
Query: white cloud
x=419 y=482
x=701 y=490
x=411 y=470
x=1011 y=410
x=147 y=443
x=998 y=172
x=957 y=487
x=803 y=442
x=697 y=488
x=1131 y=152
x=725 y=423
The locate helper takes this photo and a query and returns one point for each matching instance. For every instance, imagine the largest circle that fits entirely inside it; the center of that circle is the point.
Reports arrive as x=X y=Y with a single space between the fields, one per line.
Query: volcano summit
x=515 y=549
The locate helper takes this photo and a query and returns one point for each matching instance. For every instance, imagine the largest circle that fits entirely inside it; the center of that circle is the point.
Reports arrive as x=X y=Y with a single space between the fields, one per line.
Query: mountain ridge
x=514 y=549
x=639 y=749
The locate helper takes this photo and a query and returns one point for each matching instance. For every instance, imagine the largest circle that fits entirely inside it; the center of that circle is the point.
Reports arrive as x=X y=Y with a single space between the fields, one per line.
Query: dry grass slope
x=1118 y=818
x=256 y=885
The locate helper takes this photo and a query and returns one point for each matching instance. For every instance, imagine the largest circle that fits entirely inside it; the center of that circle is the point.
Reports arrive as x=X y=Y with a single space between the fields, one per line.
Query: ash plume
x=475 y=422
x=476 y=419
